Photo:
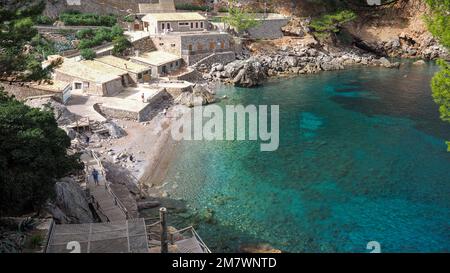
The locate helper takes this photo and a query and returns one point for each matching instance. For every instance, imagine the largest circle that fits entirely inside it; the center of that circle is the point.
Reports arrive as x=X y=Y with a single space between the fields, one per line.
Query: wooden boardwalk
x=108 y=206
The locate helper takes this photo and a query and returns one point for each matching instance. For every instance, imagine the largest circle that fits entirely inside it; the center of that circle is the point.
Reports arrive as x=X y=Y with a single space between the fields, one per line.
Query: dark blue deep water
x=361 y=158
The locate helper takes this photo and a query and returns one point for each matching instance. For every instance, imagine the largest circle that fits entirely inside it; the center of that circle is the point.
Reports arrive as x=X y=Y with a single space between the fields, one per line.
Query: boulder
x=419 y=62
x=148 y=204
x=71 y=205
x=115 y=131
x=199 y=95
x=247 y=73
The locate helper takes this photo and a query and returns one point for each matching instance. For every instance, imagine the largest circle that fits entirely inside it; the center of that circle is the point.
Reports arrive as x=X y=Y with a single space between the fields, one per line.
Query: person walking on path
x=95 y=176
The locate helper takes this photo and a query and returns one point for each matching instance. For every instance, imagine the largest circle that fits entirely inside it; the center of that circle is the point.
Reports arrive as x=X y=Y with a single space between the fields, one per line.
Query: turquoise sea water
x=361 y=158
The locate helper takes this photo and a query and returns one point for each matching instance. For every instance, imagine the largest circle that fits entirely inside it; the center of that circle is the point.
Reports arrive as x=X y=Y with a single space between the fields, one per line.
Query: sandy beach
x=151 y=146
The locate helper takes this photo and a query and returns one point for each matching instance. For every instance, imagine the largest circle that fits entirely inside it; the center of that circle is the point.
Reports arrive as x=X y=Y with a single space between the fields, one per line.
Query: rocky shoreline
x=292 y=60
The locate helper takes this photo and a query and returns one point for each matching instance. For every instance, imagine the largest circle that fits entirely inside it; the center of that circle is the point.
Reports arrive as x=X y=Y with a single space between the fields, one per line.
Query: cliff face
x=397 y=30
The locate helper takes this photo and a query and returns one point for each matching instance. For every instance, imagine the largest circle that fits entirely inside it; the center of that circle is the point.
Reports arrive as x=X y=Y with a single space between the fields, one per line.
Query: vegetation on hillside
x=32 y=147
x=192 y=7
x=75 y=18
x=90 y=38
x=88 y=54
x=439 y=25
x=238 y=18
x=121 y=44
x=19 y=58
x=32 y=155
x=331 y=24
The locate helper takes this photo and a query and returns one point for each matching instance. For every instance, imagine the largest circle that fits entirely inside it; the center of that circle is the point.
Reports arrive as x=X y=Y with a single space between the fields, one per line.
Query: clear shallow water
x=361 y=158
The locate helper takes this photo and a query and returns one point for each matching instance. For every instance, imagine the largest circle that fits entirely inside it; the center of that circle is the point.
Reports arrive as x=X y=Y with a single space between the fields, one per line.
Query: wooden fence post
x=162 y=217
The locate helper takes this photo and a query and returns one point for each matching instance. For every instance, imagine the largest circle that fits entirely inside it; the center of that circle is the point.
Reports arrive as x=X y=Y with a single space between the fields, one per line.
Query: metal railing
x=194 y=234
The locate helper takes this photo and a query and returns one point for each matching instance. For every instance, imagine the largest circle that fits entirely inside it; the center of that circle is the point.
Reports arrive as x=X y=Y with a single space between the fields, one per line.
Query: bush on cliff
x=438 y=24
x=32 y=156
x=73 y=18
x=329 y=25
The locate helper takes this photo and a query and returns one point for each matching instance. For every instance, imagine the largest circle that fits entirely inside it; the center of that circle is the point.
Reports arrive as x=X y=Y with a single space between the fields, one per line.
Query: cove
x=361 y=158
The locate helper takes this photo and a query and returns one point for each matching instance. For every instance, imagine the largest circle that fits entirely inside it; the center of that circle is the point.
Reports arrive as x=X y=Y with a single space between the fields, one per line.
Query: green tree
x=329 y=25
x=32 y=147
x=238 y=18
x=121 y=44
x=19 y=59
x=88 y=54
x=439 y=25
x=32 y=155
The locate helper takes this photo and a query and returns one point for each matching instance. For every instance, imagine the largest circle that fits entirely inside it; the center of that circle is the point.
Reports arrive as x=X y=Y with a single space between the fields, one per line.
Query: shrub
x=87 y=19
x=85 y=33
x=88 y=54
x=44 y=20
x=120 y=45
x=329 y=24
x=187 y=6
x=33 y=154
x=92 y=38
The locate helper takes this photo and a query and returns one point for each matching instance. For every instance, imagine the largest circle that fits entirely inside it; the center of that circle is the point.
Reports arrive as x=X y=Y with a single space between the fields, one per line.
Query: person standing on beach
x=95 y=176
x=143 y=97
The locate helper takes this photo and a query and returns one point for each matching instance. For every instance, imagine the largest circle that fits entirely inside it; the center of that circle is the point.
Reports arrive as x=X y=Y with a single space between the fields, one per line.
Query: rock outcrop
x=71 y=205
x=200 y=95
x=244 y=73
x=300 y=59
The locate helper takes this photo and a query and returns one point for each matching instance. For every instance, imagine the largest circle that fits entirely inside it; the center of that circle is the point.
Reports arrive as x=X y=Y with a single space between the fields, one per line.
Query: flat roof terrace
x=156 y=58
x=122 y=64
x=87 y=71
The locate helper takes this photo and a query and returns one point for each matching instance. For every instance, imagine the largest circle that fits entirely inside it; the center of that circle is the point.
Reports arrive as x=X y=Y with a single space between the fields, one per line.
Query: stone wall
x=191 y=76
x=269 y=29
x=221 y=57
x=23 y=92
x=168 y=43
x=145 y=44
x=133 y=115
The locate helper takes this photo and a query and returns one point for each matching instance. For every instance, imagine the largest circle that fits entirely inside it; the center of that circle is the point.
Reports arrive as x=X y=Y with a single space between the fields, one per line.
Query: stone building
x=138 y=73
x=194 y=46
x=161 y=23
x=93 y=77
x=161 y=63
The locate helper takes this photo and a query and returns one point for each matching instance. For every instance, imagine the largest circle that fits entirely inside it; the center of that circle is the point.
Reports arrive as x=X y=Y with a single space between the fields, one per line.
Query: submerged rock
x=258 y=248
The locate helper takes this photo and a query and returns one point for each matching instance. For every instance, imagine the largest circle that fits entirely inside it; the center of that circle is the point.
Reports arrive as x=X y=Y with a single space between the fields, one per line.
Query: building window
x=177 y=63
x=212 y=45
x=139 y=76
x=196 y=25
x=173 y=45
x=199 y=47
x=201 y=25
x=192 y=25
x=190 y=47
x=222 y=44
x=78 y=85
x=163 y=26
x=168 y=26
x=161 y=44
x=171 y=65
x=183 y=24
